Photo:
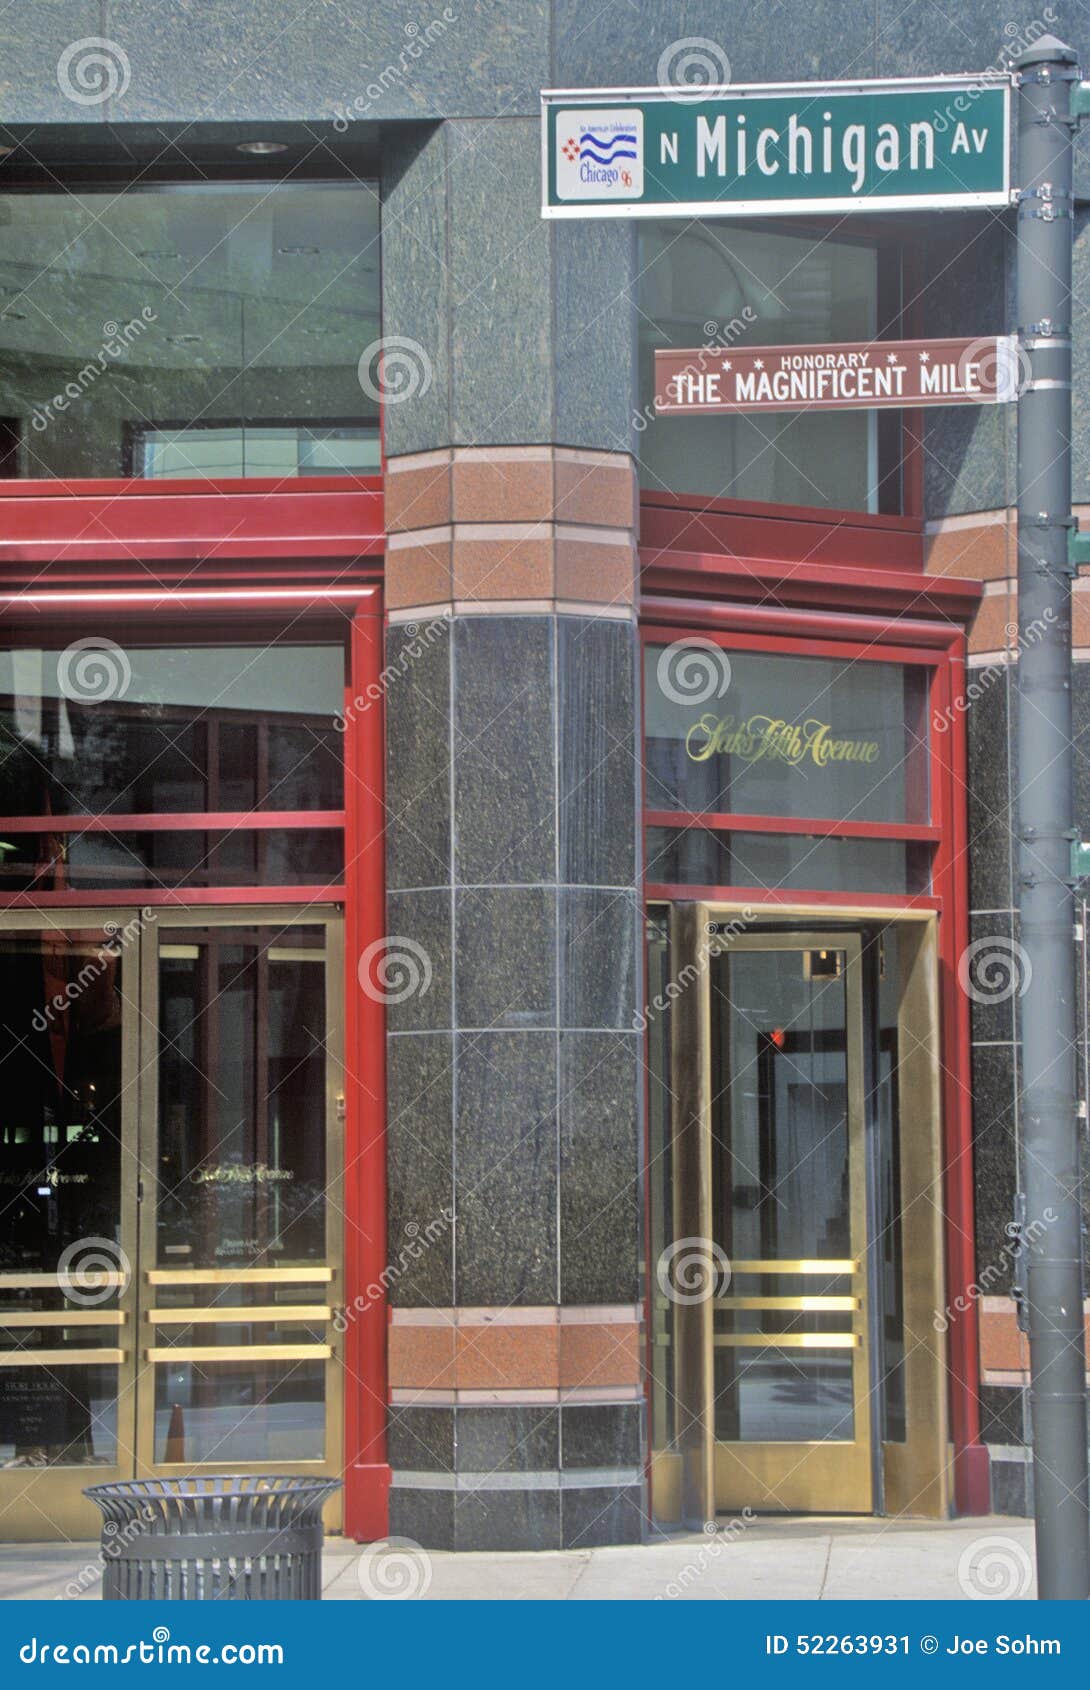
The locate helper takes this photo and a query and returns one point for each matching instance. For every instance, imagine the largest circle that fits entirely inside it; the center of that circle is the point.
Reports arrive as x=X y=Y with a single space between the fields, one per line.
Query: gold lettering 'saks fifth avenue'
x=776 y=740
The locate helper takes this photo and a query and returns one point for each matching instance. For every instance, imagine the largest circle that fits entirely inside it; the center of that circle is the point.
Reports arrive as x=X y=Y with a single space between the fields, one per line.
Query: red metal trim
x=817 y=516
x=754 y=578
x=367 y=1473
x=846 y=648
x=852 y=903
x=716 y=822
x=182 y=896
x=794 y=626
x=188 y=821
x=972 y=1481
x=339 y=517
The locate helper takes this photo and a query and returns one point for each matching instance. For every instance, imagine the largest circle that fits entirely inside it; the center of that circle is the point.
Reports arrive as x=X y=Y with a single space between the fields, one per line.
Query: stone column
x=515 y=1080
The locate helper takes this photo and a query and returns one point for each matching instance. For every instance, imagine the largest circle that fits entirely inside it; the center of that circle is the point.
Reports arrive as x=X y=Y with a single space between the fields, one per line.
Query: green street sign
x=776 y=149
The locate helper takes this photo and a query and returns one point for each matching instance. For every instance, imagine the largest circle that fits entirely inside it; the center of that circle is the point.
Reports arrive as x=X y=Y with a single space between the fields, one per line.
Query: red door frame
x=195 y=559
x=765 y=598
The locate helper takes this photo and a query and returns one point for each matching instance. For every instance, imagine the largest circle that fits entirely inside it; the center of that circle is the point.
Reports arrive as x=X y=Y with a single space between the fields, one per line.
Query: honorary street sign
x=848 y=376
x=776 y=148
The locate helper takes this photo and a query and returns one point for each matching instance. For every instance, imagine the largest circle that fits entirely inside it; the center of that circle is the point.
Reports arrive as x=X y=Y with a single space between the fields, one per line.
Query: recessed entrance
x=798 y=1240
x=171 y=1248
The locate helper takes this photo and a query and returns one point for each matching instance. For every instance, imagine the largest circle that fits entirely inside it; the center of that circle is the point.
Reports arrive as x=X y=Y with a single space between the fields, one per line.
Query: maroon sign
x=847 y=376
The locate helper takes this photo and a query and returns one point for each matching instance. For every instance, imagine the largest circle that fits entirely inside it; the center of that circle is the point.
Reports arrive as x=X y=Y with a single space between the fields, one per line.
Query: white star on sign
x=891 y=357
x=727 y=364
x=758 y=363
x=925 y=357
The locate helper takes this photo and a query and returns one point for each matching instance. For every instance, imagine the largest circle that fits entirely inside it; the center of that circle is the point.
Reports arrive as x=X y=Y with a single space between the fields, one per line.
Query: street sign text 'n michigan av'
x=776 y=149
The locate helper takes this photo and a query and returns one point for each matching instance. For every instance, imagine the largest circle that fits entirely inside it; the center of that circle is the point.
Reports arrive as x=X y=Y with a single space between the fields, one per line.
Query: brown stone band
x=1004 y=1350
x=983 y=546
x=539 y=1354
x=485 y=526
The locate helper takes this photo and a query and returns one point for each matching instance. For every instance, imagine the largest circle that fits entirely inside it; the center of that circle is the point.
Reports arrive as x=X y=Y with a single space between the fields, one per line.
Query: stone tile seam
x=571 y=1478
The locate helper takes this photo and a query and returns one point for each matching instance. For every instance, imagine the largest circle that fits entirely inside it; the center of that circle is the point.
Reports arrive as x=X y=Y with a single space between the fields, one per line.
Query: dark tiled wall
x=993 y=776
x=513 y=1082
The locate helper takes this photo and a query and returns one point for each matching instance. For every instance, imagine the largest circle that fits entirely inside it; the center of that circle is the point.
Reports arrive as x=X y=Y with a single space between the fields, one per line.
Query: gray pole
x=1050 y=1131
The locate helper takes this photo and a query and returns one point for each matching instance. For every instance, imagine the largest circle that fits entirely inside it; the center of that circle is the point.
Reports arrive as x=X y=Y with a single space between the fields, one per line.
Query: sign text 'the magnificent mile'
x=775 y=148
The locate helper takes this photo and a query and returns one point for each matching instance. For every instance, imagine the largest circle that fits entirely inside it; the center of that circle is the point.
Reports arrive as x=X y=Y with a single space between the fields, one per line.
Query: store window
x=189 y=332
x=167 y=767
x=714 y=284
x=773 y=771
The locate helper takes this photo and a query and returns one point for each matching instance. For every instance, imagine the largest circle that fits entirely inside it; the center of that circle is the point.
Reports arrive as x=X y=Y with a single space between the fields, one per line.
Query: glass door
x=241 y=1234
x=69 y=1016
x=170 y=1193
x=791 y=1365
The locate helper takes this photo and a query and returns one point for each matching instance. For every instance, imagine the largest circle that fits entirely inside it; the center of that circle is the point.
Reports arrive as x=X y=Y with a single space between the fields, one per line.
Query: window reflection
x=713 y=284
x=189 y=331
x=172 y=729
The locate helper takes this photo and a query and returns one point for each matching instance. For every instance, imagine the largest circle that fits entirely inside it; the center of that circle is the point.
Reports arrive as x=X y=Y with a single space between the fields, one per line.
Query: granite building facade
x=586 y=996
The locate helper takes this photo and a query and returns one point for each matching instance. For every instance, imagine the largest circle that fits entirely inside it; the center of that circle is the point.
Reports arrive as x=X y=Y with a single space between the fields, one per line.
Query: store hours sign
x=776 y=149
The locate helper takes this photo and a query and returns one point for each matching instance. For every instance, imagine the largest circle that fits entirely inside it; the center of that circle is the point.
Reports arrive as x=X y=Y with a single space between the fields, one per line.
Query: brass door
x=69 y=1020
x=807 y=1370
x=241 y=1223
x=790 y=1363
x=171 y=1180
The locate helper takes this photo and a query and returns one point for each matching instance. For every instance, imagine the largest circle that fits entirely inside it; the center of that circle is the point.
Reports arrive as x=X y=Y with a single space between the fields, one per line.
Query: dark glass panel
x=242 y=1097
x=696 y=856
x=758 y=733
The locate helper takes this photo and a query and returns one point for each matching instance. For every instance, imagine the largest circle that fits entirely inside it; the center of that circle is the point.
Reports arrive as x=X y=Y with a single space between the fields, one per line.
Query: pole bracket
x=1015 y=1230
x=1078 y=546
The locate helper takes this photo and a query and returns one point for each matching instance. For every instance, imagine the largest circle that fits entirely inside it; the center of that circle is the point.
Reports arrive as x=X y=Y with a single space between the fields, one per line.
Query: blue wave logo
x=605 y=149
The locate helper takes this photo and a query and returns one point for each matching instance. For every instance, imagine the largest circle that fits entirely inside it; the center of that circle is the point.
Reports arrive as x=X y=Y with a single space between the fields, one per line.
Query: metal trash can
x=236 y=1537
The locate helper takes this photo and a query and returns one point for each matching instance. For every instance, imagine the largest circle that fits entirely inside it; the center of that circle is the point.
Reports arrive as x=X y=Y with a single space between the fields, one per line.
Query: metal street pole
x=1052 y=1242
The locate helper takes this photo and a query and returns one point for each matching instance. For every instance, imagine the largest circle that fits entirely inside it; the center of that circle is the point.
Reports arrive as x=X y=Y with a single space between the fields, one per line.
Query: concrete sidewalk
x=810 y=1559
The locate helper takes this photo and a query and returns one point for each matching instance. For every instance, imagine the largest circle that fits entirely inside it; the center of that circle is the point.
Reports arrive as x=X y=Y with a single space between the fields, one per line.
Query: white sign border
x=708 y=209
